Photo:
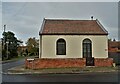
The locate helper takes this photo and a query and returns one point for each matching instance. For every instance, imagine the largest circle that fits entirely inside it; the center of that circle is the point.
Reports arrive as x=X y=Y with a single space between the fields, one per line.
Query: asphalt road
x=8 y=65
x=83 y=77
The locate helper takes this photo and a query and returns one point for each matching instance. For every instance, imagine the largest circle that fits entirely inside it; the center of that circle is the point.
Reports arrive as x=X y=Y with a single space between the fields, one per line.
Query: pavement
x=8 y=61
x=23 y=70
x=13 y=60
x=2 y=62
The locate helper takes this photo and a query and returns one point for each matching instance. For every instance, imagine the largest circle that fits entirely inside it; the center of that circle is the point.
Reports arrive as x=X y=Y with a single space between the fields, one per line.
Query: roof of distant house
x=72 y=27
x=114 y=44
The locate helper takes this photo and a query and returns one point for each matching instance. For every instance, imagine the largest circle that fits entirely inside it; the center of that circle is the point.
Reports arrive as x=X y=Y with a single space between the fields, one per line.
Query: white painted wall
x=74 y=46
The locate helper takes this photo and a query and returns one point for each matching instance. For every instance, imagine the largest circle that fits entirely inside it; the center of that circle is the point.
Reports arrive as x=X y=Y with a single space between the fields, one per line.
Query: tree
x=33 y=46
x=109 y=39
x=10 y=44
x=114 y=40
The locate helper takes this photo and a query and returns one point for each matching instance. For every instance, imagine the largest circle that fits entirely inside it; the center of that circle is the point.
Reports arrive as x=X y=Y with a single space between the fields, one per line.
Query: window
x=61 y=47
x=87 y=48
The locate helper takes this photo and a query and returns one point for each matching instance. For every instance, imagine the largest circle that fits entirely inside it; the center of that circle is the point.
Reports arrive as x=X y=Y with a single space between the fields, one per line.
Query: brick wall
x=112 y=49
x=55 y=63
x=103 y=61
x=69 y=62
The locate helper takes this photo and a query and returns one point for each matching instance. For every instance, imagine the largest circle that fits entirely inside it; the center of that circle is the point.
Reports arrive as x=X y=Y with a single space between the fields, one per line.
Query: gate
x=90 y=61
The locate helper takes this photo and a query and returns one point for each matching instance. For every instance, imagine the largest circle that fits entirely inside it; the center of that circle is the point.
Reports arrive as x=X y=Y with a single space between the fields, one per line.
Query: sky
x=25 y=18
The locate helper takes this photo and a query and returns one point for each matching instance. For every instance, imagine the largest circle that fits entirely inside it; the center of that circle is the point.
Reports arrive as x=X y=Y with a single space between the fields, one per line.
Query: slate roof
x=72 y=27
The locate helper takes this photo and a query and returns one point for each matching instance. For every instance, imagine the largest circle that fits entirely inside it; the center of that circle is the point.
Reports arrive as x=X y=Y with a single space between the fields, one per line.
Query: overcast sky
x=25 y=18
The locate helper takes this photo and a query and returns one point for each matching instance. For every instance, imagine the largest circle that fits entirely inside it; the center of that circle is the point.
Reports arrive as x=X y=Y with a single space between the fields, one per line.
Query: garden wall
x=103 y=62
x=55 y=63
x=61 y=63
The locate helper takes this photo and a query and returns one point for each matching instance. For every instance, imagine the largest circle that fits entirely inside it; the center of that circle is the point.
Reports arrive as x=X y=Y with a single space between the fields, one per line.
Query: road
x=8 y=65
x=91 y=77
x=83 y=77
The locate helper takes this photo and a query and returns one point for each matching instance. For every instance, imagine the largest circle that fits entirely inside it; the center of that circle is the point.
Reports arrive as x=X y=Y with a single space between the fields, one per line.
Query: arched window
x=61 y=47
x=87 y=48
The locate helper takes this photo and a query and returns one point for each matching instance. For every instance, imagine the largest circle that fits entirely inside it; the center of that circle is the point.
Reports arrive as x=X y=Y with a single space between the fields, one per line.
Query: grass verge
x=22 y=69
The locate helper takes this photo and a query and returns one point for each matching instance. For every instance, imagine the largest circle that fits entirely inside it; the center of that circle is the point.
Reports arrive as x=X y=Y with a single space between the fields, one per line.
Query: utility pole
x=4 y=27
x=7 y=41
x=4 y=38
x=4 y=42
x=7 y=49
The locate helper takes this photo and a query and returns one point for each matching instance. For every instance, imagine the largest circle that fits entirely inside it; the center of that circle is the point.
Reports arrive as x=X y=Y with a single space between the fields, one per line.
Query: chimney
x=91 y=17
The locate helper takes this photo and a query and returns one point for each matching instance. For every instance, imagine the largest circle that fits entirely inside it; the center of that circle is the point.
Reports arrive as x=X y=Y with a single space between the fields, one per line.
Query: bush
x=31 y=54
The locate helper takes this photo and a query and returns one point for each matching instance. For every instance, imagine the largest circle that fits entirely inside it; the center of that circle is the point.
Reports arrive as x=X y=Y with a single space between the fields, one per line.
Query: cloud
x=60 y=1
x=0 y=19
x=25 y=19
x=113 y=33
x=24 y=27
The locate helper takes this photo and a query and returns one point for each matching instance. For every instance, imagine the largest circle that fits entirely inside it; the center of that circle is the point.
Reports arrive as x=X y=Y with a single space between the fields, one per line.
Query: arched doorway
x=87 y=52
x=87 y=48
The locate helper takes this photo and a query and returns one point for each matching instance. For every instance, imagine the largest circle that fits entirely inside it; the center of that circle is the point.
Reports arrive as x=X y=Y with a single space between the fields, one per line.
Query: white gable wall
x=74 y=46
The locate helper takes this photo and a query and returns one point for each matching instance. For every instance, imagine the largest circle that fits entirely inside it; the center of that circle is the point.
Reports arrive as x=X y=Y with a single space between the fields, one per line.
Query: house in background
x=21 y=50
x=113 y=46
x=73 y=43
x=114 y=51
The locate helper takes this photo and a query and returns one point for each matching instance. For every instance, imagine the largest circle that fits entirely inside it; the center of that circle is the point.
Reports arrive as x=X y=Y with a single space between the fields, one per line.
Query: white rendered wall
x=74 y=46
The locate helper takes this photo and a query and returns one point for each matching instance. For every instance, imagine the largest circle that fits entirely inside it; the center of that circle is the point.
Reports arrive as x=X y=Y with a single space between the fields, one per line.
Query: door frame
x=87 y=52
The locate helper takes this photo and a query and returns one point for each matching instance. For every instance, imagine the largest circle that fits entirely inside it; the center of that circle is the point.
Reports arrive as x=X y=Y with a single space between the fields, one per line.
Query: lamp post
x=7 y=49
